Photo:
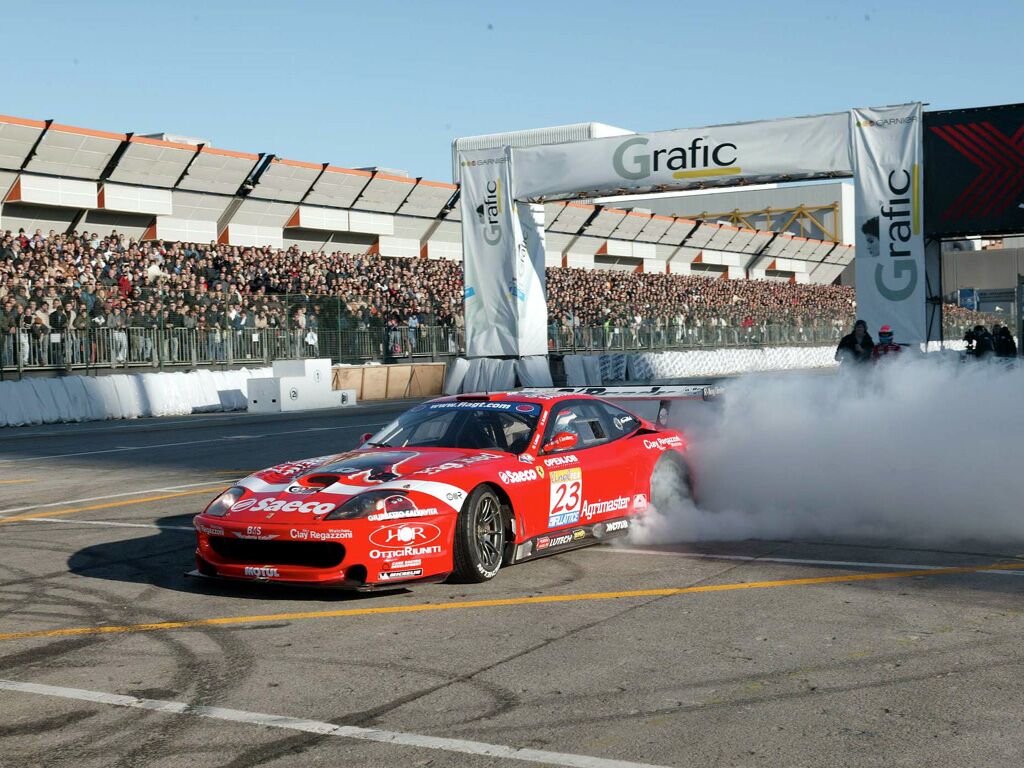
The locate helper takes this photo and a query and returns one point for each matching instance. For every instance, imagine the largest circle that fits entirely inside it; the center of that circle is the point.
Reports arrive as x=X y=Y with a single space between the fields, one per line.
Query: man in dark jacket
x=979 y=342
x=1003 y=342
x=855 y=347
x=59 y=322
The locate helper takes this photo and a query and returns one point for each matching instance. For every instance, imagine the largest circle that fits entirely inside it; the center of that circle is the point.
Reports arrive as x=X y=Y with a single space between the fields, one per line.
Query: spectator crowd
x=57 y=286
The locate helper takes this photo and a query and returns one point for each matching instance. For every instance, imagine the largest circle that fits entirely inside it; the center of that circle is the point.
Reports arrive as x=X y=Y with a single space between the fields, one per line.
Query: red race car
x=454 y=487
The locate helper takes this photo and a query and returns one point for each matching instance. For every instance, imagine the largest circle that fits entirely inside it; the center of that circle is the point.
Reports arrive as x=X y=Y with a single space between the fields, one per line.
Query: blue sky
x=391 y=82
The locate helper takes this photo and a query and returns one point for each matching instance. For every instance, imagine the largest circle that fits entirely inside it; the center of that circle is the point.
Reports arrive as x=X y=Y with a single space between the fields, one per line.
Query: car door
x=585 y=482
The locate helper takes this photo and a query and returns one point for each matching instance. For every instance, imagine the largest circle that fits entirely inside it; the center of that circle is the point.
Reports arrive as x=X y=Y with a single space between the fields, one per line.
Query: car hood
x=308 y=489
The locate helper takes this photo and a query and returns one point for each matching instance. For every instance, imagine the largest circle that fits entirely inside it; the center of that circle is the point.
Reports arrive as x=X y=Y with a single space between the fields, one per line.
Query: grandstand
x=119 y=250
x=63 y=178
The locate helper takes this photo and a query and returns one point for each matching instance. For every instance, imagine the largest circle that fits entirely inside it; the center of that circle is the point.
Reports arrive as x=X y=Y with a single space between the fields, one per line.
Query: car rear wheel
x=479 y=537
x=670 y=483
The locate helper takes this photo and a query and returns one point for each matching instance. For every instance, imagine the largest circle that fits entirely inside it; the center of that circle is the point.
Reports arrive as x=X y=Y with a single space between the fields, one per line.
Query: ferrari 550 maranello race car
x=455 y=487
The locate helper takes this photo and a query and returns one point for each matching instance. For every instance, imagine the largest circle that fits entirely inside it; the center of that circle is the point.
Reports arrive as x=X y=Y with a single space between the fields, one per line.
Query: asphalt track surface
x=756 y=653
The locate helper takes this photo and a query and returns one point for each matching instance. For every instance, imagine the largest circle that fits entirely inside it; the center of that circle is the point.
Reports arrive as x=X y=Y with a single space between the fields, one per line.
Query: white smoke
x=926 y=451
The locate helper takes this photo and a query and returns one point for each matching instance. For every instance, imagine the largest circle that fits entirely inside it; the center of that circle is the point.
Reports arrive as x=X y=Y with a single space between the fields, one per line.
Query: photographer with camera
x=1002 y=341
x=979 y=342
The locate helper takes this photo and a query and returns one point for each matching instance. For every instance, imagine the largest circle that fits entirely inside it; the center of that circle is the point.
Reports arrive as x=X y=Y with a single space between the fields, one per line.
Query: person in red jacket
x=885 y=345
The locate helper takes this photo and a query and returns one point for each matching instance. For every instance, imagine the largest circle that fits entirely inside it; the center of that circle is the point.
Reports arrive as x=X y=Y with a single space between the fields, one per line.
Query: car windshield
x=492 y=426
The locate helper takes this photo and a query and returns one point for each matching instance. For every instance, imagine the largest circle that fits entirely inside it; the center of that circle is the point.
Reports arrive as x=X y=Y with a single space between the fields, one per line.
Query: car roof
x=540 y=397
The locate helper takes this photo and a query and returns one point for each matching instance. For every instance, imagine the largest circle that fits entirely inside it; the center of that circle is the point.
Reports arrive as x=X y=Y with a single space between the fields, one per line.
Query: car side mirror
x=366 y=436
x=563 y=441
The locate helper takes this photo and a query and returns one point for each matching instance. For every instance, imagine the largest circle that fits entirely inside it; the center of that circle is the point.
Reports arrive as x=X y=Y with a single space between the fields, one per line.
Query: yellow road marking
x=108 y=505
x=12 y=482
x=540 y=599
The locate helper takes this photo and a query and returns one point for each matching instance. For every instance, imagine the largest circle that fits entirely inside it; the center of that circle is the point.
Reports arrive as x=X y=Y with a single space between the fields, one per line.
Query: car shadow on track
x=163 y=560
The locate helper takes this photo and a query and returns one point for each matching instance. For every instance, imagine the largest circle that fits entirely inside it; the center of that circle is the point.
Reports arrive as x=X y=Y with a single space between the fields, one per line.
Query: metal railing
x=170 y=348
x=158 y=348
x=652 y=337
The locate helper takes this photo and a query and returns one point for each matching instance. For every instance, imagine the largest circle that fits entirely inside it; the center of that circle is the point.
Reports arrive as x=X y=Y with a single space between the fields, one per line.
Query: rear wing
x=664 y=396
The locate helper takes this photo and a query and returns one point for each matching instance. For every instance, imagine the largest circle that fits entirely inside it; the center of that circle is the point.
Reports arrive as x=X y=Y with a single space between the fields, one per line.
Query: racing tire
x=669 y=478
x=479 y=538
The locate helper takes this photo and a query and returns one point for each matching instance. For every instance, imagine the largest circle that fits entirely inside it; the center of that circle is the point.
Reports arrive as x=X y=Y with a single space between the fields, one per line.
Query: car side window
x=582 y=418
x=620 y=422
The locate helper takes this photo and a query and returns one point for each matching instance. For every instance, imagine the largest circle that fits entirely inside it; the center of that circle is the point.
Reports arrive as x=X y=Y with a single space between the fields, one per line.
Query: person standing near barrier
x=150 y=323
x=413 y=326
x=886 y=345
x=38 y=332
x=855 y=347
x=979 y=342
x=58 y=322
x=172 y=320
x=8 y=332
x=80 y=334
x=116 y=323
x=1002 y=341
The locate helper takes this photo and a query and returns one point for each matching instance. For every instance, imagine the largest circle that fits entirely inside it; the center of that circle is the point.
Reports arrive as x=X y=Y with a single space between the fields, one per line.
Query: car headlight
x=372 y=503
x=223 y=503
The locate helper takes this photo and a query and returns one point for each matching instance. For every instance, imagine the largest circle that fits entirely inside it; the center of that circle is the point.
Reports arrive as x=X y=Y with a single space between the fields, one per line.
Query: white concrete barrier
x=294 y=393
x=297 y=385
x=720 y=362
x=123 y=396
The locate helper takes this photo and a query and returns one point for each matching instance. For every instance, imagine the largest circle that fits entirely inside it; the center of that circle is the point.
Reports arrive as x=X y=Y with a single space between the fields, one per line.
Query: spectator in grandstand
x=412 y=324
x=361 y=291
x=59 y=322
x=8 y=330
x=78 y=333
x=115 y=320
x=37 y=333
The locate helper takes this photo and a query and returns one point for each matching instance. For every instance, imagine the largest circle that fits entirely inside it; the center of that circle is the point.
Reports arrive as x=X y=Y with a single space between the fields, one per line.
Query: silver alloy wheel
x=489 y=534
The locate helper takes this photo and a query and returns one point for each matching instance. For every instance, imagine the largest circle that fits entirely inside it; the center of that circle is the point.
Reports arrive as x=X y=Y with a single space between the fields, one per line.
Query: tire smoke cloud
x=926 y=451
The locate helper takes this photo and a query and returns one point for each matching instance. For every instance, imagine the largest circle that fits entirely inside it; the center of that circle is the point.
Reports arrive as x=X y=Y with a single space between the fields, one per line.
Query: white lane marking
x=110 y=523
x=143 y=423
x=796 y=560
x=5 y=512
x=393 y=738
x=121 y=449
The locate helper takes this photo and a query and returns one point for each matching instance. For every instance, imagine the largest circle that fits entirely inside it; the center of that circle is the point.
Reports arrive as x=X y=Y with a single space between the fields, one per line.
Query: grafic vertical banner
x=885 y=146
x=530 y=288
x=489 y=254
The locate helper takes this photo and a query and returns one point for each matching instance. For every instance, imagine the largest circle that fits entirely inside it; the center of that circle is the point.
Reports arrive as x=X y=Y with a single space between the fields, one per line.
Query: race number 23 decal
x=566 y=497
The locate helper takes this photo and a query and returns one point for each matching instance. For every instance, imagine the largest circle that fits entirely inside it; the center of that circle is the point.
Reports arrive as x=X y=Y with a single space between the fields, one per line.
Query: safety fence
x=170 y=348
x=645 y=337
x=194 y=347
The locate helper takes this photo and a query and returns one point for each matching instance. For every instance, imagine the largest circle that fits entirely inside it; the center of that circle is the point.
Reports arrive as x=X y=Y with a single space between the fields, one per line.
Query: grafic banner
x=489 y=254
x=723 y=155
x=503 y=261
x=529 y=292
x=885 y=147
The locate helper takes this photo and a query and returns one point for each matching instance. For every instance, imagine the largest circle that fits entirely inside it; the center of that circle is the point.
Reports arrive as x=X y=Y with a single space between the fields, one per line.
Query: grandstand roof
x=55 y=176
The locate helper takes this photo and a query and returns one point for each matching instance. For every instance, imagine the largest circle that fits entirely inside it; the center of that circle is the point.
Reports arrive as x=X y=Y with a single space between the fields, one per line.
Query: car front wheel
x=479 y=537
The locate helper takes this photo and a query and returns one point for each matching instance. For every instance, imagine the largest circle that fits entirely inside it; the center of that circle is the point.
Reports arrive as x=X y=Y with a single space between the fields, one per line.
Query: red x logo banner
x=1000 y=158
